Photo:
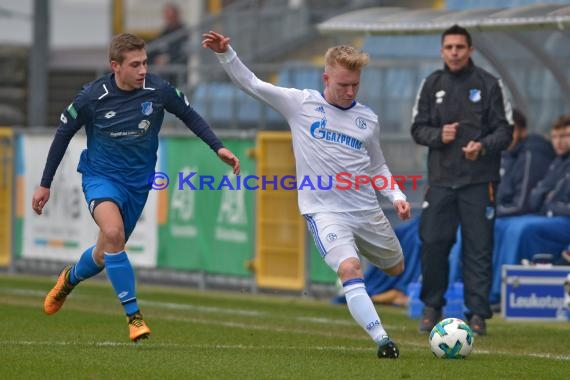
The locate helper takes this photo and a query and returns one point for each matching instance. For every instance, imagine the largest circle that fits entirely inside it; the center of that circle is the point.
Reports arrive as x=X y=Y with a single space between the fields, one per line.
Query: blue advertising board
x=534 y=293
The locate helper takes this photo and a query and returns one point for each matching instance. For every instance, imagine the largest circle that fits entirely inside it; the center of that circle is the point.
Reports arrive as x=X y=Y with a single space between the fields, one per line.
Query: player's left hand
x=40 y=198
x=472 y=150
x=229 y=158
x=403 y=209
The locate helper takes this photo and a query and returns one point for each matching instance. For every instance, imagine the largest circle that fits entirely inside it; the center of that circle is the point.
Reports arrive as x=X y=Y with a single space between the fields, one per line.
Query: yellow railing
x=280 y=230
x=6 y=199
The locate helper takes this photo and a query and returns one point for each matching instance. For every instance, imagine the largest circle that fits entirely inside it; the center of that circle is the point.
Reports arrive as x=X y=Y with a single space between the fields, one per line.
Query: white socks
x=362 y=309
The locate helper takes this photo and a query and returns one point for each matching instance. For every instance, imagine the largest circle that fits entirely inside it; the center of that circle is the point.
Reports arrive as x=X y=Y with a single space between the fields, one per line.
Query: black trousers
x=473 y=207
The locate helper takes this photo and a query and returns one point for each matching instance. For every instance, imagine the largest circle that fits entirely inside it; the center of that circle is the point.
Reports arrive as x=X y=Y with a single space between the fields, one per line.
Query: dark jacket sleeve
x=522 y=175
x=423 y=132
x=557 y=202
x=542 y=188
x=71 y=120
x=177 y=103
x=499 y=120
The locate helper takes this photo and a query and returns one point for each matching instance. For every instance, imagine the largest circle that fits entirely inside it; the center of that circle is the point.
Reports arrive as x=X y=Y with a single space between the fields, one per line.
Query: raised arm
x=285 y=100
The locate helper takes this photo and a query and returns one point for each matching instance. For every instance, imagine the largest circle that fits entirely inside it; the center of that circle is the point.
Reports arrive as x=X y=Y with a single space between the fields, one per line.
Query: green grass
x=215 y=335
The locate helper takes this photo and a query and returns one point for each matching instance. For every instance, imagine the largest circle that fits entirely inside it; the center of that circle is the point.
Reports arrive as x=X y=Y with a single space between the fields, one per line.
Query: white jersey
x=332 y=145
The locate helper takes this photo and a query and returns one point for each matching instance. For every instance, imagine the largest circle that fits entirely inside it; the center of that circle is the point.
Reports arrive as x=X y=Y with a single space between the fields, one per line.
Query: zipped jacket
x=476 y=100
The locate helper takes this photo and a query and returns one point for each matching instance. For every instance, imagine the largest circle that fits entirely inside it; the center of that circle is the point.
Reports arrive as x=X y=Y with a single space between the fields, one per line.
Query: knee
x=113 y=238
x=349 y=269
x=396 y=269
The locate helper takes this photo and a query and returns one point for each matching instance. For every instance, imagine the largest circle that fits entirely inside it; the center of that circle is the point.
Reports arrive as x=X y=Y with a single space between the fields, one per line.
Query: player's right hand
x=449 y=132
x=215 y=41
x=40 y=198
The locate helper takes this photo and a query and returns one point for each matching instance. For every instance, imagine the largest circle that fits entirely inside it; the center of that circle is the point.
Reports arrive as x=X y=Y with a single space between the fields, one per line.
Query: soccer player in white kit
x=332 y=134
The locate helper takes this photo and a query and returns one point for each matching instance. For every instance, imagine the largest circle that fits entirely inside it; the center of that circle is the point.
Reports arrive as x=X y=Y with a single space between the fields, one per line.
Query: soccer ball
x=451 y=339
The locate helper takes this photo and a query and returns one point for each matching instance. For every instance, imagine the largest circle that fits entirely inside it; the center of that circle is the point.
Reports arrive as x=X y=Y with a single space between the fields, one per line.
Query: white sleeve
x=378 y=167
x=285 y=100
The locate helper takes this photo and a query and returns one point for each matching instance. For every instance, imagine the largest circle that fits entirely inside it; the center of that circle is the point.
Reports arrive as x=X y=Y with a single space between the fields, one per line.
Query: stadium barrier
x=252 y=235
x=6 y=195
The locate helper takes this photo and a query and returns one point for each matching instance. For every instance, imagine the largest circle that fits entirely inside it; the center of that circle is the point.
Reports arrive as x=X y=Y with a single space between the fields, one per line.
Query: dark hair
x=457 y=30
x=122 y=43
x=519 y=118
x=562 y=122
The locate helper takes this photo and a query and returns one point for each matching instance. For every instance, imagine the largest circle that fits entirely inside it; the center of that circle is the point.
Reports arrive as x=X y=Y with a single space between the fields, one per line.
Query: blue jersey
x=122 y=129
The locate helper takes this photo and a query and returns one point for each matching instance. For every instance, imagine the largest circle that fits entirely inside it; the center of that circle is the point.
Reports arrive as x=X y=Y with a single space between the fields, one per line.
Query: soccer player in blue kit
x=122 y=113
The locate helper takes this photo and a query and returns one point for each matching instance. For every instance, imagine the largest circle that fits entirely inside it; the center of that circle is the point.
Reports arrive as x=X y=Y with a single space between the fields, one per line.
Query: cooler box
x=534 y=293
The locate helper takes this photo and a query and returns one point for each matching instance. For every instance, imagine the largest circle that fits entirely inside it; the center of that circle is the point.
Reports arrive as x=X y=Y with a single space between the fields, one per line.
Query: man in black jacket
x=523 y=164
x=465 y=119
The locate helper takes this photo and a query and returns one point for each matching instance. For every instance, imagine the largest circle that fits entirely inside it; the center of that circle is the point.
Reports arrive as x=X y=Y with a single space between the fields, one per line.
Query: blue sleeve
x=71 y=120
x=177 y=103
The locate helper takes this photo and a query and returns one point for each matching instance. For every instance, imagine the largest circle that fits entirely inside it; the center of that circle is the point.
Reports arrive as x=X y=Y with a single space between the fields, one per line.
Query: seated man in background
x=547 y=229
x=549 y=197
x=523 y=164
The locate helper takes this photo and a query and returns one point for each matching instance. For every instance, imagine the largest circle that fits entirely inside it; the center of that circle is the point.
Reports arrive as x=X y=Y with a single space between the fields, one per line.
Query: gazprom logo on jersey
x=318 y=131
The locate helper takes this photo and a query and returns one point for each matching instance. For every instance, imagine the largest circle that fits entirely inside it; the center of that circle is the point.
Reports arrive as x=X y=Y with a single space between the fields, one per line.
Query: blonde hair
x=122 y=43
x=345 y=56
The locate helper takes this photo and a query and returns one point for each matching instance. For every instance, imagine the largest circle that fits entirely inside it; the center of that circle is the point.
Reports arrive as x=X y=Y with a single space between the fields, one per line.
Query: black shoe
x=478 y=325
x=388 y=349
x=430 y=318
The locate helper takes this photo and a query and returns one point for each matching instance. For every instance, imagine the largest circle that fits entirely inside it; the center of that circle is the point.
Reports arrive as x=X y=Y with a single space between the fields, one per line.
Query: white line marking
x=206 y=309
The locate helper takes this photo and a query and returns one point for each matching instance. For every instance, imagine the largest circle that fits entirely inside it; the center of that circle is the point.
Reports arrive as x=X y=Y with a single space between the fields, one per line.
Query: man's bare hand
x=215 y=41
x=40 y=198
x=448 y=132
x=472 y=150
x=403 y=209
x=229 y=158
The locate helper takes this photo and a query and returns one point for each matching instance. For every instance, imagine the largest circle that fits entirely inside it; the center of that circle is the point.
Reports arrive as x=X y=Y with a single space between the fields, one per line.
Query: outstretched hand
x=403 y=209
x=229 y=158
x=215 y=41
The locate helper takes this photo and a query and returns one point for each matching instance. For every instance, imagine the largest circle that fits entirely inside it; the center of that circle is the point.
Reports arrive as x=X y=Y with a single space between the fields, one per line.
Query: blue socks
x=122 y=277
x=362 y=309
x=85 y=268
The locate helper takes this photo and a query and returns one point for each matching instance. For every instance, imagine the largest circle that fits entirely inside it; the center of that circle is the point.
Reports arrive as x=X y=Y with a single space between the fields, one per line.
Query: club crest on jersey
x=360 y=123
x=475 y=95
x=146 y=108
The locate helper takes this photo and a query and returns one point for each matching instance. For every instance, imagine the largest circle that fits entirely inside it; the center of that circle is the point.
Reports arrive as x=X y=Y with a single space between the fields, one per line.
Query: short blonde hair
x=122 y=43
x=345 y=56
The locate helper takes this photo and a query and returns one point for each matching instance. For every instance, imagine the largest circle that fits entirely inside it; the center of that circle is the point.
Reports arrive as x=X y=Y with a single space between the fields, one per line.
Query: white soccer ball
x=451 y=339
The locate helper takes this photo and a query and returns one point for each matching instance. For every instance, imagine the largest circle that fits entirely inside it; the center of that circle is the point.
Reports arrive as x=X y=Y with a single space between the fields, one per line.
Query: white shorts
x=342 y=235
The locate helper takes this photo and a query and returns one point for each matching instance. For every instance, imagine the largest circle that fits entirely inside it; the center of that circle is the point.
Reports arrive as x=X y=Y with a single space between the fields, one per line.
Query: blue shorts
x=130 y=202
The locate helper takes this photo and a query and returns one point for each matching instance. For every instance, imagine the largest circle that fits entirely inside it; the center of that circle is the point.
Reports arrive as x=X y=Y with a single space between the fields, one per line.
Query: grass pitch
x=214 y=335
